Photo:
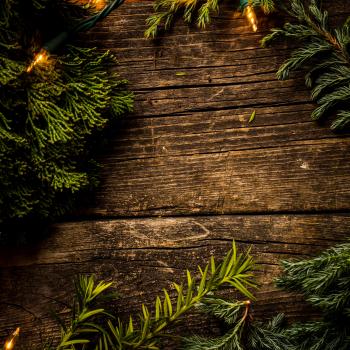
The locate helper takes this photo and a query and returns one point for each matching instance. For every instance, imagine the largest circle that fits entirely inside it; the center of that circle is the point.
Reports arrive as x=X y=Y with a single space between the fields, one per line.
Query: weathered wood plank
x=188 y=147
x=307 y=176
x=215 y=131
x=144 y=255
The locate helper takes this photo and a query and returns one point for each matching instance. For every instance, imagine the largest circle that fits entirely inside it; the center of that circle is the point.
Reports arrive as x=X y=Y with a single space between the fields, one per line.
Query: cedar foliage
x=49 y=116
x=324 y=53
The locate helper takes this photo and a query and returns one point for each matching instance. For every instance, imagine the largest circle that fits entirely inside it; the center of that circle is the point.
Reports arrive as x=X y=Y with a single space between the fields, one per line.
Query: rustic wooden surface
x=186 y=173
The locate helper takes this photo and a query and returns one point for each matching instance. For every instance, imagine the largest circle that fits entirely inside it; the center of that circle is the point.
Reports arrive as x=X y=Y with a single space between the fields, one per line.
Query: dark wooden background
x=186 y=173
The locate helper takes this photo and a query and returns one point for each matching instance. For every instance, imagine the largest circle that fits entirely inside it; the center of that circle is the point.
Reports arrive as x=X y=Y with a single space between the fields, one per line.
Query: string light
x=250 y=14
x=96 y=4
x=11 y=340
x=40 y=57
x=83 y=25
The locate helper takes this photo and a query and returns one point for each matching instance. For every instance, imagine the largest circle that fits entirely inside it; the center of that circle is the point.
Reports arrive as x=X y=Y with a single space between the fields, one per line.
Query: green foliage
x=86 y=316
x=49 y=116
x=198 y=11
x=243 y=332
x=91 y=327
x=235 y=271
x=325 y=282
x=324 y=54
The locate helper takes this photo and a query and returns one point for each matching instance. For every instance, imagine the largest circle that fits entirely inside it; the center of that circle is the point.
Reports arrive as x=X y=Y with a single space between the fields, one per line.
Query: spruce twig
x=323 y=54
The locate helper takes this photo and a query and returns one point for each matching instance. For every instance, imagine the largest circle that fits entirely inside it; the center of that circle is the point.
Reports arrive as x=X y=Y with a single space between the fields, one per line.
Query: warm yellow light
x=250 y=14
x=40 y=57
x=98 y=5
x=10 y=342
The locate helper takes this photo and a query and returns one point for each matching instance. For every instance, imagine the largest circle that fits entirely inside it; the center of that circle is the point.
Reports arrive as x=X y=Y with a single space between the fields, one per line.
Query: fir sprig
x=323 y=54
x=243 y=332
x=325 y=282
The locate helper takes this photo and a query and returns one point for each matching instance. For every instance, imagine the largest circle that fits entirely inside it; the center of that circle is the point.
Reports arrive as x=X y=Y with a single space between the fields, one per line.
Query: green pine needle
x=324 y=54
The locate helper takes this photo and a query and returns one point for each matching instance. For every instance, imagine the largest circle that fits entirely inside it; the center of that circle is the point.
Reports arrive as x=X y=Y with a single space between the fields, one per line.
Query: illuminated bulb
x=11 y=341
x=98 y=4
x=250 y=14
x=40 y=57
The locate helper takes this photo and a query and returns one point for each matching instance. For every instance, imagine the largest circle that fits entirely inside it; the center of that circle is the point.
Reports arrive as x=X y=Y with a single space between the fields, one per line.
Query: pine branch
x=323 y=54
x=325 y=282
x=235 y=271
x=234 y=314
x=243 y=332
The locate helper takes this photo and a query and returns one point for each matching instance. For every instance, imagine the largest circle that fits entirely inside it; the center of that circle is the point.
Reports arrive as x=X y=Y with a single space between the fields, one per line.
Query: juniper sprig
x=50 y=115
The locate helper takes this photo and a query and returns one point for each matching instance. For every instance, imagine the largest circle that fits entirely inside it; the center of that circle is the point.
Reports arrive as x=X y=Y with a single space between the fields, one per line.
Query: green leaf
x=252 y=117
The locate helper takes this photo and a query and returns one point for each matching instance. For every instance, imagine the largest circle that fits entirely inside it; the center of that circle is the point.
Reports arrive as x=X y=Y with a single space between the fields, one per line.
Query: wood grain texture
x=186 y=173
x=188 y=148
x=310 y=176
x=143 y=255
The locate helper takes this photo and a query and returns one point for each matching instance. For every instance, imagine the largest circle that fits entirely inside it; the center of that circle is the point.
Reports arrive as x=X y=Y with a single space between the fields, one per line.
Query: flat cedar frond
x=49 y=116
x=324 y=280
x=324 y=56
x=198 y=11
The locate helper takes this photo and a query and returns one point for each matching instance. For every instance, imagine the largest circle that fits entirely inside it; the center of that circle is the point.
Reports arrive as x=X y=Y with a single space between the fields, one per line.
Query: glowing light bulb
x=98 y=4
x=40 y=57
x=250 y=14
x=11 y=341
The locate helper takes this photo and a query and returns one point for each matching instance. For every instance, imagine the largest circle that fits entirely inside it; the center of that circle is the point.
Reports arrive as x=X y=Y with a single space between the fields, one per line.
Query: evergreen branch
x=231 y=313
x=92 y=328
x=270 y=336
x=324 y=280
x=323 y=54
x=235 y=270
x=47 y=117
x=84 y=316
x=243 y=332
